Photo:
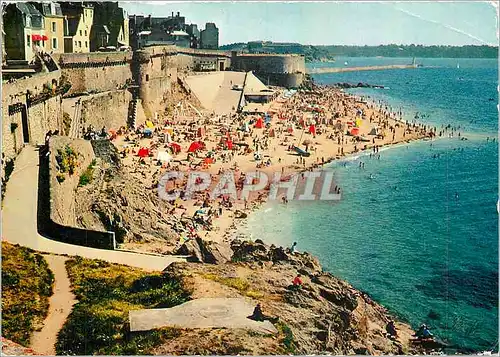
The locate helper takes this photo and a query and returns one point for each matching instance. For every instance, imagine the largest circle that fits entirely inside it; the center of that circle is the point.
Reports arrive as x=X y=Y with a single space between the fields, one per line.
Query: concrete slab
x=201 y=313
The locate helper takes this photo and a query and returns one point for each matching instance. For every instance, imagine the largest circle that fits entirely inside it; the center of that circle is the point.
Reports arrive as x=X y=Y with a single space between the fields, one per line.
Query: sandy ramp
x=201 y=313
x=215 y=90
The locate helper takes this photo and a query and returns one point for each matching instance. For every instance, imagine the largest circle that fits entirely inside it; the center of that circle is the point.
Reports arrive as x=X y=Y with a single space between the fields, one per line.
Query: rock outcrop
x=325 y=316
x=201 y=251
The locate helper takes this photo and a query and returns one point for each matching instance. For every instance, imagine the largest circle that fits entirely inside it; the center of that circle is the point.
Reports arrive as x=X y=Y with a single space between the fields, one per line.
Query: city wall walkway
x=19 y=221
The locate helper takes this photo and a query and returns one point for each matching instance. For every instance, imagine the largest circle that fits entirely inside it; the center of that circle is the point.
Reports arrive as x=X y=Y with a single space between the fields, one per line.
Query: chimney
x=172 y=14
x=178 y=14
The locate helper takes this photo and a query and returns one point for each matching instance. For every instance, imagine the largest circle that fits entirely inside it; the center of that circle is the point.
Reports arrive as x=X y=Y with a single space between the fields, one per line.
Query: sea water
x=417 y=229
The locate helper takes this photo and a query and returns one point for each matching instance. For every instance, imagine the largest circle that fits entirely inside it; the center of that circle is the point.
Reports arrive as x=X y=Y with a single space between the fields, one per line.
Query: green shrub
x=9 y=168
x=13 y=127
x=88 y=175
x=106 y=293
x=67 y=160
x=288 y=340
x=26 y=286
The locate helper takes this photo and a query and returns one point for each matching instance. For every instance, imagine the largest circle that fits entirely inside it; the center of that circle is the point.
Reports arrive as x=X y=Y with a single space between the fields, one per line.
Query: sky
x=338 y=23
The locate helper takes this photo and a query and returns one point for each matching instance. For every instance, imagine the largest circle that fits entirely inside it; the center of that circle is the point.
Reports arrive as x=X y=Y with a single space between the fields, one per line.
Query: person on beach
x=297 y=282
x=391 y=329
x=292 y=248
x=258 y=315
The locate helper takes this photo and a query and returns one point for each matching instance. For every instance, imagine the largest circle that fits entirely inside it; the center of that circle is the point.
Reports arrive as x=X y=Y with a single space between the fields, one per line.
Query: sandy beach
x=320 y=121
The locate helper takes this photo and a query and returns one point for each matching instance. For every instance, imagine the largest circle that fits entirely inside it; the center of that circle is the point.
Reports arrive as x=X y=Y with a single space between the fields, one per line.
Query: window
x=28 y=42
x=79 y=43
x=86 y=44
x=85 y=32
x=54 y=43
x=80 y=32
x=75 y=43
x=53 y=26
x=147 y=77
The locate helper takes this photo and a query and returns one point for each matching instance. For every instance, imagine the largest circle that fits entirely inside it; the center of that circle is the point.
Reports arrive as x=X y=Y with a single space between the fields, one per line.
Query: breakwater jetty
x=366 y=68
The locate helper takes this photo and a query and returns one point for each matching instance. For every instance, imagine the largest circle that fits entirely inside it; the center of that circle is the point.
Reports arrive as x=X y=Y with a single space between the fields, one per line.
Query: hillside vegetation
x=26 y=287
x=106 y=293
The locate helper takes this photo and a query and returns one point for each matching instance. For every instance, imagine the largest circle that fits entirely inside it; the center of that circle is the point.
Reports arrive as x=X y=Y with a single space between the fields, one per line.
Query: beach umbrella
x=355 y=131
x=195 y=146
x=175 y=146
x=143 y=152
x=163 y=156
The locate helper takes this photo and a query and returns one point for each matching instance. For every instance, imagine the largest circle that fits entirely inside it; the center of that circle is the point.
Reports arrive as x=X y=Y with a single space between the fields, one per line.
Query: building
x=210 y=36
x=110 y=26
x=54 y=26
x=24 y=29
x=171 y=30
x=78 y=24
x=194 y=35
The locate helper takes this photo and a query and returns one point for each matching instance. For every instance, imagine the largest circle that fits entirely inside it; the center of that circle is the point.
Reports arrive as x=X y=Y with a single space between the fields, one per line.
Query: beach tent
x=375 y=131
x=259 y=124
x=271 y=133
x=175 y=147
x=149 y=124
x=195 y=146
x=355 y=131
x=312 y=129
x=143 y=152
x=163 y=156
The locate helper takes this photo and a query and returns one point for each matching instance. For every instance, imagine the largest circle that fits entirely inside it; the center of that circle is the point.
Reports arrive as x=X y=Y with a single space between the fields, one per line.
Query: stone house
x=24 y=28
x=110 y=26
x=78 y=24
x=54 y=26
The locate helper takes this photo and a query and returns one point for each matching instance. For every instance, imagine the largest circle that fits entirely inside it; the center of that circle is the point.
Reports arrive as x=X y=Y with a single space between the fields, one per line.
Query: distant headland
x=329 y=53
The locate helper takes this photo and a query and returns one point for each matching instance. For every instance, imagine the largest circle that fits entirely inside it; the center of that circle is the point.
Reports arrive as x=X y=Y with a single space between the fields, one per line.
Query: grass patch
x=88 y=175
x=239 y=284
x=26 y=286
x=107 y=292
x=287 y=337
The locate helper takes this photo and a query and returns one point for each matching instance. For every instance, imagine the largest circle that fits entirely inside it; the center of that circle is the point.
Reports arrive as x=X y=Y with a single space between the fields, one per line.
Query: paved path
x=201 y=313
x=60 y=305
x=19 y=221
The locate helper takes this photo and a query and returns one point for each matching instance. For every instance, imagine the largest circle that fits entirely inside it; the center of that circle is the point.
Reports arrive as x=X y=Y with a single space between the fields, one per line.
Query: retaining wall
x=61 y=225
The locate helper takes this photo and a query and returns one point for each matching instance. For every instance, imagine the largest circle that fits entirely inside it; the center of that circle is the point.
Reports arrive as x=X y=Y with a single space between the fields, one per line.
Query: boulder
x=205 y=252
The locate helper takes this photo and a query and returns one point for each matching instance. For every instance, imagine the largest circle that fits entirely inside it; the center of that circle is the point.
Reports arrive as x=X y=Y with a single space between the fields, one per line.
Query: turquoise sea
x=421 y=237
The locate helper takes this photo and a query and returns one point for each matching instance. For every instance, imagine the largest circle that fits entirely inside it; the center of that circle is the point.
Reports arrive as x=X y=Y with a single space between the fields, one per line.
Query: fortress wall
x=155 y=71
x=43 y=117
x=40 y=117
x=108 y=109
x=96 y=72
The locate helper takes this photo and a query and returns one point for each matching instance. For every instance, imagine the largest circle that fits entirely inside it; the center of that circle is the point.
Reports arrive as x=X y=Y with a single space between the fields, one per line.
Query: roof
x=31 y=11
x=73 y=26
x=179 y=33
x=51 y=9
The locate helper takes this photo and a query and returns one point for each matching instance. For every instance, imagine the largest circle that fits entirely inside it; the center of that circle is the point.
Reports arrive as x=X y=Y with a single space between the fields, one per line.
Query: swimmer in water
x=372 y=177
x=456 y=195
